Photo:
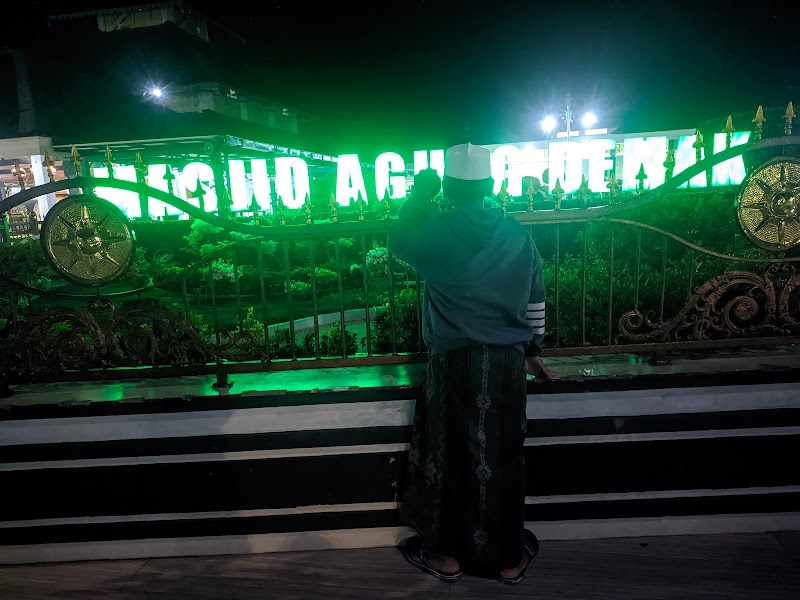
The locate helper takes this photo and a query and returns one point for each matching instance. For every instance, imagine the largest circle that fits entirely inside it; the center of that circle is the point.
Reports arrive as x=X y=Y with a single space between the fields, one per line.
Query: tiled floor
x=758 y=566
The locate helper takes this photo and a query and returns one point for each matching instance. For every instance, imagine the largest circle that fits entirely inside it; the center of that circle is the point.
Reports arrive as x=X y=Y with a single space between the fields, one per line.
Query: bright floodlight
x=157 y=92
x=549 y=123
x=589 y=119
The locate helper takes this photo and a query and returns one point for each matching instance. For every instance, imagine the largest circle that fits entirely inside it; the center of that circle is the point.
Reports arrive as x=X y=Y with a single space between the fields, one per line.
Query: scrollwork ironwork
x=737 y=304
x=139 y=333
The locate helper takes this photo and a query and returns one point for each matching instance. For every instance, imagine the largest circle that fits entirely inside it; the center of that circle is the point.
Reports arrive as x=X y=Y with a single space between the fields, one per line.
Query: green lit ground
x=578 y=368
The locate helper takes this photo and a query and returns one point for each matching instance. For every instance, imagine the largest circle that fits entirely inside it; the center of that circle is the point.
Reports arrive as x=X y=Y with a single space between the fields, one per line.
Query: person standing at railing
x=483 y=323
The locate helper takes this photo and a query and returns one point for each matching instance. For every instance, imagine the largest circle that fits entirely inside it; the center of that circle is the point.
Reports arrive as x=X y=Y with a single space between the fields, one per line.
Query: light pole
x=588 y=118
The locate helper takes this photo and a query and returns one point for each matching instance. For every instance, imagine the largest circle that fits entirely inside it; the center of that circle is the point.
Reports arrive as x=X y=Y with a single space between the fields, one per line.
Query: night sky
x=426 y=73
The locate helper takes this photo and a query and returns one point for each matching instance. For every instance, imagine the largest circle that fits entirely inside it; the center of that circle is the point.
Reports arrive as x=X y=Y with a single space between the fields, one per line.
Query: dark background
x=426 y=73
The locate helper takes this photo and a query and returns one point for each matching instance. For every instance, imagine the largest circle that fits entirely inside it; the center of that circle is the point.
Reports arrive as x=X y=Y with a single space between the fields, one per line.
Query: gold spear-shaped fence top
x=50 y=165
x=583 y=190
x=76 y=161
x=759 y=121
x=200 y=194
x=254 y=207
x=789 y=116
x=307 y=206
x=387 y=205
x=109 y=160
x=361 y=206
x=20 y=173
x=640 y=177
x=334 y=208
x=613 y=185
x=558 y=192
x=141 y=168
x=281 y=210
x=669 y=163
x=698 y=146
x=529 y=193
x=728 y=132
x=504 y=196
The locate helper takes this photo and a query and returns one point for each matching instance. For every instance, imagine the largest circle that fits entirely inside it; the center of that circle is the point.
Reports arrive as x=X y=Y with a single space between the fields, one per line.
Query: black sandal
x=414 y=553
x=532 y=548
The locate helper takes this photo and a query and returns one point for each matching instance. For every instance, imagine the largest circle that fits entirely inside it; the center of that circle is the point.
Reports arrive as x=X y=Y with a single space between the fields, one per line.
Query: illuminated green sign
x=589 y=157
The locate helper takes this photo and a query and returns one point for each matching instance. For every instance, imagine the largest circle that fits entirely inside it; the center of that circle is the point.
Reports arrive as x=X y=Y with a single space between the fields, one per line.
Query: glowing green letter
x=650 y=152
x=155 y=179
x=349 y=180
x=127 y=201
x=386 y=163
x=685 y=157
x=199 y=172
x=506 y=164
x=566 y=165
x=291 y=181
x=596 y=152
x=260 y=181
x=730 y=172
x=436 y=161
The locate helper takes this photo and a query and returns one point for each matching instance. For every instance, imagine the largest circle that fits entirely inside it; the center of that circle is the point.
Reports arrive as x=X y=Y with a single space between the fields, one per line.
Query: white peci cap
x=468 y=162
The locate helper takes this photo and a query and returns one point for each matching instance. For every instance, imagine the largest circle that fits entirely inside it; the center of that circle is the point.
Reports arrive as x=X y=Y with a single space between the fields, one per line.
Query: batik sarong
x=464 y=489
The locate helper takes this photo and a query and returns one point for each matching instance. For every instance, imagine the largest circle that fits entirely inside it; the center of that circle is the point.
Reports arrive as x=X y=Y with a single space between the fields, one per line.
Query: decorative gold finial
x=387 y=204
x=504 y=195
x=583 y=190
x=759 y=121
x=613 y=185
x=529 y=192
x=76 y=161
x=223 y=204
x=728 y=132
x=640 y=177
x=141 y=168
x=698 y=145
x=20 y=173
x=669 y=163
x=334 y=208
x=109 y=159
x=200 y=194
x=360 y=202
x=788 y=116
x=307 y=206
x=50 y=165
x=558 y=192
x=281 y=210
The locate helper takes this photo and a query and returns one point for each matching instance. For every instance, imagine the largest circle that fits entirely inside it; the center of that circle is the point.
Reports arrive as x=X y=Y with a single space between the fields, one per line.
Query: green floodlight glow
x=589 y=120
x=291 y=181
x=433 y=160
x=385 y=164
x=549 y=123
x=650 y=152
x=730 y=172
x=349 y=180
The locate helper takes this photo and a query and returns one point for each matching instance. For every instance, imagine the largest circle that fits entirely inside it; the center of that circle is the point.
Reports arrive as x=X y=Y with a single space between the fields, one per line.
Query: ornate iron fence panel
x=90 y=300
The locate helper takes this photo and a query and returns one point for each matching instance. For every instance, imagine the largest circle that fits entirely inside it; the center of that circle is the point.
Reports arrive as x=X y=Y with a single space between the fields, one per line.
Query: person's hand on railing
x=534 y=365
